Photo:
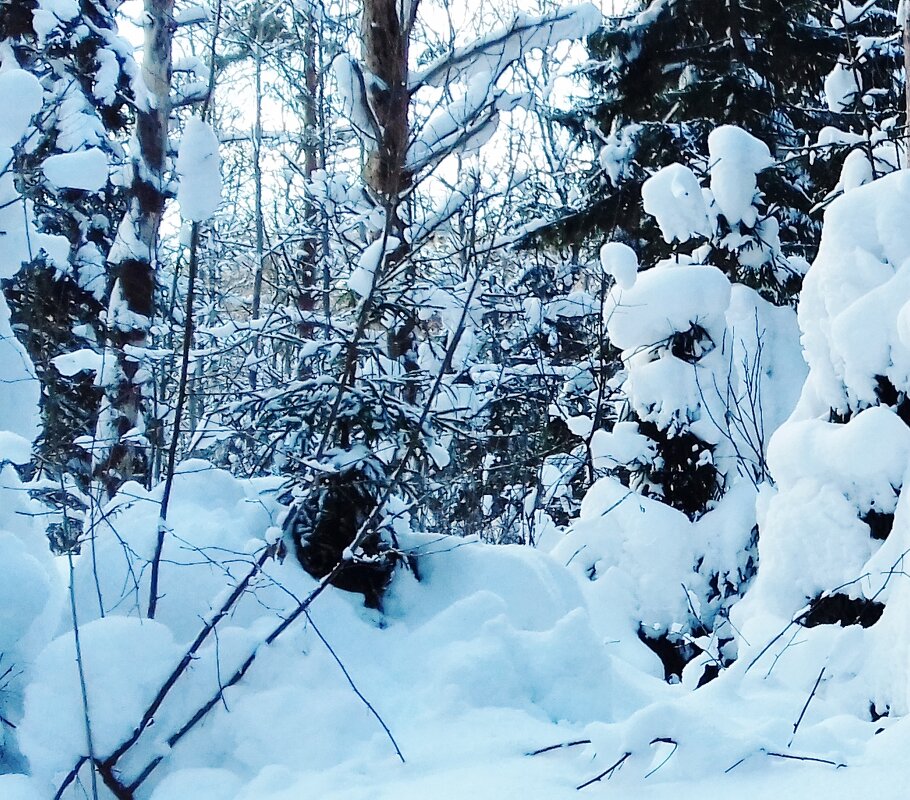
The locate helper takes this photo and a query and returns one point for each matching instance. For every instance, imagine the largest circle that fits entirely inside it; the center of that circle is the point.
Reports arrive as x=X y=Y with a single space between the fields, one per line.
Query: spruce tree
x=66 y=170
x=707 y=120
x=663 y=77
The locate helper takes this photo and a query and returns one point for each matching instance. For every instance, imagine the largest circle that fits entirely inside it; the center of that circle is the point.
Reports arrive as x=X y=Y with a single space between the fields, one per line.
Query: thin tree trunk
x=257 y=181
x=385 y=54
x=385 y=34
x=309 y=258
x=133 y=263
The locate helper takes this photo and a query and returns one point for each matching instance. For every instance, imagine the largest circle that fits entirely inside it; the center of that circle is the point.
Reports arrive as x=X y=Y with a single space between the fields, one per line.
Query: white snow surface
x=664 y=300
x=673 y=196
x=86 y=169
x=199 y=167
x=30 y=591
x=495 y=653
x=841 y=88
x=736 y=157
x=619 y=261
x=21 y=94
x=850 y=311
x=363 y=276
x=487 y=657
x=494 y=53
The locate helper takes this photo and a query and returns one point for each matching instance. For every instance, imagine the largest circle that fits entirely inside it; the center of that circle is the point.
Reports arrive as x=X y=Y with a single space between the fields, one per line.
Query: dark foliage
x=323 y=525
x=839 y=609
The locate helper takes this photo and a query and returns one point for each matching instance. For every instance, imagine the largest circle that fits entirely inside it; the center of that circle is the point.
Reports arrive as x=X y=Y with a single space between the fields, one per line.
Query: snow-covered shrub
x=29 y=582
x=833 y=532
x=710 y=369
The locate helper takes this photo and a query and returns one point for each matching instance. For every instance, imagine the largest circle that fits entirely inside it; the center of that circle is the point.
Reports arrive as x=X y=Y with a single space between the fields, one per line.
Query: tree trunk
x=257 y=197
x=133 y=261
x=313 y=133
x=385 y=54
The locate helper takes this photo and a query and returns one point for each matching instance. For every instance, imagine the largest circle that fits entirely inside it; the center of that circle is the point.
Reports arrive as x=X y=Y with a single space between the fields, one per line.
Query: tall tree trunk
x=133 y=261
x=385 y=33
x=385 y=54
x=257 y=196
x=308 y=260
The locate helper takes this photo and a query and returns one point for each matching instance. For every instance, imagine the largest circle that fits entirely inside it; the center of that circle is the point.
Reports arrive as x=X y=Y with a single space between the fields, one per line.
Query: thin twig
x=802 y=713
x=813 y=759
x=357 y=691
x=562 y=746
x=669 y=755
x=80 y=665
x=607 y=773
x=178 y=416
x=188 y=657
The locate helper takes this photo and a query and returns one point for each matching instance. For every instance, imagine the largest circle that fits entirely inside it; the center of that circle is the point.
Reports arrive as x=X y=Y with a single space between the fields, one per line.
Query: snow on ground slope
x=496 y=654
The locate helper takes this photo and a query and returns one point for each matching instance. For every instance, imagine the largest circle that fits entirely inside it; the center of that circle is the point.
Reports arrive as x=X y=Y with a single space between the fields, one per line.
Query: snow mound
x=850 y=309
x=199 y=167
x=489 y=655
x=736 y=157
x=672 y=195
x=665 y=300
x=619 y=261
x=86 y=169
x=52 y=733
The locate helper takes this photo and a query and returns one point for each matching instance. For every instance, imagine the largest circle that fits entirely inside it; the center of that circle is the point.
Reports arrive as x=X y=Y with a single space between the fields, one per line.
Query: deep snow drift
x=494 y=655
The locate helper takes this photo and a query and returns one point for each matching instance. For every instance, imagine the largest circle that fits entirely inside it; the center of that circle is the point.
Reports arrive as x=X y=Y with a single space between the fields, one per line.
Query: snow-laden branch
x=494 y=53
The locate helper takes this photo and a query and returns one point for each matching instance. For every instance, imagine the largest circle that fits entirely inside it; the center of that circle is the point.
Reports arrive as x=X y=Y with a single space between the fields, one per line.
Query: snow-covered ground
x=483 y=659
x=495 y=653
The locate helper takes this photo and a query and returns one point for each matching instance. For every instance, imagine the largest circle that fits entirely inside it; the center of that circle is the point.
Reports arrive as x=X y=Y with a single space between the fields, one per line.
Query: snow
x=192 y=14
x=86 y=169
x=18 y=411
x=483 y=655
x=349 y=78
x=451 y=120
x=50 y=14
x=736 y=157
x=106 y=76
x=362 y=278
x=673 y=196
x=199 y=168
x=494 y=53
x=864 y=460
x=616 y=153
x=622 y=446
x=665 y=300
x=52 y=734
x=619 y=261
x=14 y=448
x=18 y=787
x=25 y=590
x=21 y=96
x=853 y=296
x=841 y=89
x=70 y=364
x=493 y=651
x=30 y=590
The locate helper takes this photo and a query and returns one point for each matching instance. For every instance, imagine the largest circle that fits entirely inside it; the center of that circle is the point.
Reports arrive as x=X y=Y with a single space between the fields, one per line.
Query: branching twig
x=357 y=691
x=669 y=755
x=791 y=757
x=607 y=773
